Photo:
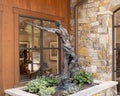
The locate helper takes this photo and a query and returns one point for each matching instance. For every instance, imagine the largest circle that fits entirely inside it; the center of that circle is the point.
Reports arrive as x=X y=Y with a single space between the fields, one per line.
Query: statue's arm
x=53 y=30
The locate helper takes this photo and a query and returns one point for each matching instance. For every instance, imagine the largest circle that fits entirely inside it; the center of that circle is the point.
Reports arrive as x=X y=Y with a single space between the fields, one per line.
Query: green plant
x=53 y=81
x=39 y=86
x=83 y=77
x=46 y=91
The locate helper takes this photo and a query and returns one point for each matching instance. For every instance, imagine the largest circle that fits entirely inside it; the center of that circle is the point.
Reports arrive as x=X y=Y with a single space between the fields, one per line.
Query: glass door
x=116 y=47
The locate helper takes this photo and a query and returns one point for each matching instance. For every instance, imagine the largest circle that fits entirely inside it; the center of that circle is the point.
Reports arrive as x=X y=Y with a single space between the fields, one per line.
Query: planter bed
x=100 y=86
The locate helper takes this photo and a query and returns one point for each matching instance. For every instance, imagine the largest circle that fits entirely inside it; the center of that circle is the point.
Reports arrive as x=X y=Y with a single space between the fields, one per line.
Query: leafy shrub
x=45 y=86
x=42 y=86
x=53 y=81
x=83 y=77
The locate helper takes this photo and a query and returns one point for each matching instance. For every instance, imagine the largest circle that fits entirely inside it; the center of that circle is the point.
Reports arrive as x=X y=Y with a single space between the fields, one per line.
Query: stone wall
x=107 y=92
x=94 y=36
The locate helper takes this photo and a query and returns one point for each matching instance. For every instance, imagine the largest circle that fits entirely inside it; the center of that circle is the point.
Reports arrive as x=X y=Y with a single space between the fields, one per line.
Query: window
x=39 y=51
x=116 y=47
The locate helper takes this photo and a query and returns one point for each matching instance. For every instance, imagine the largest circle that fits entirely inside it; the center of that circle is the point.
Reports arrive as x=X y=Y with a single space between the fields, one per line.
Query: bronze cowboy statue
x=70 y=59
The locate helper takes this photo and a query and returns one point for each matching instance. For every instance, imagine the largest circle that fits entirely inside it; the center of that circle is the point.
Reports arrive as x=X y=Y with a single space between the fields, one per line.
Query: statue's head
x=58 y=23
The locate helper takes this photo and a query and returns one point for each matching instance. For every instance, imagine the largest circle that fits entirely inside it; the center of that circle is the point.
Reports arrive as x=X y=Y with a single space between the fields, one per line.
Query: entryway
x=116 y=47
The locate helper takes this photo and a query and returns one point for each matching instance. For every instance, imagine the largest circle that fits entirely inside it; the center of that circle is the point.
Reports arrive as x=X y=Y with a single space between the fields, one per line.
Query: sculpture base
x=67 y=87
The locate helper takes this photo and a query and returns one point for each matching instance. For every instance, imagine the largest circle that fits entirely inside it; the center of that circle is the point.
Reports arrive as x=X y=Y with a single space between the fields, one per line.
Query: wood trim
x=17 y=12
x=1 y=86
x=36 y=14
x=16 y=67
x=1 y=7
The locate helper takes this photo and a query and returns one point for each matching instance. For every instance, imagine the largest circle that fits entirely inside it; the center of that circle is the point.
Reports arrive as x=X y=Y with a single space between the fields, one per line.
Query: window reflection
x=35 y=49
x=116 y=47
x=116 y=19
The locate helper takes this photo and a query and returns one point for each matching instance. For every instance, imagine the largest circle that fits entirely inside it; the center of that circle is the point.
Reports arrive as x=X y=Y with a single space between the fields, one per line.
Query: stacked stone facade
x=107 y=92
x=94 y=41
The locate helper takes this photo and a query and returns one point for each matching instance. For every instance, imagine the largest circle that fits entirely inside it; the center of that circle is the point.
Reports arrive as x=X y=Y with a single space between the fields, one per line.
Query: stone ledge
x=103 y=85
x=17 y=92
x=105 y=13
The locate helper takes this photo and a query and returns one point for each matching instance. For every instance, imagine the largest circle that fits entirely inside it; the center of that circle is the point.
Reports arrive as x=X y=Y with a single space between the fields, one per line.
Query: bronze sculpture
x=70 y=59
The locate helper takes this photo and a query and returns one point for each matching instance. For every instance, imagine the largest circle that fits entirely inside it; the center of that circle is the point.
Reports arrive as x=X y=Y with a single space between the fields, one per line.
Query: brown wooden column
x=7 y=47
x=1 y=86
x=9 y=13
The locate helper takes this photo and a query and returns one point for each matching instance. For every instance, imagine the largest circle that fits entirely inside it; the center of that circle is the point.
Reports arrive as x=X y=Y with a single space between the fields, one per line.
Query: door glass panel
x=24 y=55
x=28 y=32
x=36 y=38
x=35 y=56
x=48 y=38
x=117 y=36
x=117 y=48
x=49 y=24
x=118 y=67
x=50 y=64
x=117 y=18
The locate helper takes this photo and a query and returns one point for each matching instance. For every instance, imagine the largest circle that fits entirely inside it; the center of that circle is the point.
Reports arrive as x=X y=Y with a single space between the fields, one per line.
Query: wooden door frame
x=22 y=12
x=1 y=73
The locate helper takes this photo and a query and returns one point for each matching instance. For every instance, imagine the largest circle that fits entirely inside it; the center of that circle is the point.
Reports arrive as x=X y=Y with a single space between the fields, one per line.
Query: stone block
x=88 y=59
x=85 y=27
x=91 y=5
x=96 y=44
x=105 y=21
x=106 y=1
x=92 y=19
x=104 y=40
x=92 y=14
x=89 y=1
x=95 y=23
x=97 y=3
x=82 y=51
x=88 y=69
x=102 y=9
x=96 y=9
x=83 y=13
x=94 y=29
x=95 y=75
x=89 y=44
x=90 y=10
x=101 y=3
x=94 y=55
x=84 y=5
x=114 y=2
x=110 y=22
x=104 y=13
x=83 y=20
x=93 y=68
x=92 y=35
x=80 y=28
x=81 y=59
x=96 y=62
x=100 y=55
x=102 y=30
